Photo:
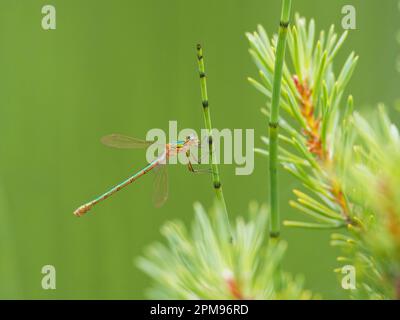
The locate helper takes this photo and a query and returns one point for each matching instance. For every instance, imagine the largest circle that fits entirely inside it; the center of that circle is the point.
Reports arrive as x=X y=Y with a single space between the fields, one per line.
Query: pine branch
x=347 y=163
x=311 y=97
x=200 y=264
x=374 y=246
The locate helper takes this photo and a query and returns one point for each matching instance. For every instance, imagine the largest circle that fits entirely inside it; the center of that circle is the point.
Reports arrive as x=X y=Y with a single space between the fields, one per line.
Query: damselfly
x=161 y=182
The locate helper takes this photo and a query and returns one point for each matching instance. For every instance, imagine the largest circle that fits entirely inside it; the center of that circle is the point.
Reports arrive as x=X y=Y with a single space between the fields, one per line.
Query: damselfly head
x=192 y=140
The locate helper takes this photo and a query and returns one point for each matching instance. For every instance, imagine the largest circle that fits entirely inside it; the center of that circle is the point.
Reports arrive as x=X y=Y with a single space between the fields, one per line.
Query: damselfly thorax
x=181 y=146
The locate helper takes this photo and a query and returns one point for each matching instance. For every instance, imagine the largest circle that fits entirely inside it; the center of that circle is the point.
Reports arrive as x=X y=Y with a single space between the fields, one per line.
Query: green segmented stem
x=274 y=119
x=207 y=122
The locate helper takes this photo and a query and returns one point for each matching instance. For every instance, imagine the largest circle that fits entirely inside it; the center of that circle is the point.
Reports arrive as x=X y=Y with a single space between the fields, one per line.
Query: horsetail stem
x=274 y=119
x=207 y=121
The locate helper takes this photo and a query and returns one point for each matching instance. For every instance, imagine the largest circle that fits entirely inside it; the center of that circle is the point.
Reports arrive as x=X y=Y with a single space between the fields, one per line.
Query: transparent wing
x=121 y=141
x=160 y=193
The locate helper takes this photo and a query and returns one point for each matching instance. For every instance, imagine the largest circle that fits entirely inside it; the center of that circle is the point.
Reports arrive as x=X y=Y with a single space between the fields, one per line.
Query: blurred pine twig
x=201 y=264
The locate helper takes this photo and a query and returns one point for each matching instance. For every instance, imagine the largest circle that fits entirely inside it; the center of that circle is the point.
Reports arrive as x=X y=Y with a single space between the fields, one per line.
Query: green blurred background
x=128 y=66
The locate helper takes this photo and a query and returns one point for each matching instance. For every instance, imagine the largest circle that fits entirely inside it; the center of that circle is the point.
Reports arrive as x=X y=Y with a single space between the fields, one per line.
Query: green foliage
x=311 y=97
x=201 y=264
x=347 y=164
x=372 y=179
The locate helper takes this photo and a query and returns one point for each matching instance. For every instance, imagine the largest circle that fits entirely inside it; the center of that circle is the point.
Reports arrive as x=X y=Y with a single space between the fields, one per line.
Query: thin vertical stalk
x=274 y=119
x=207 y=122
